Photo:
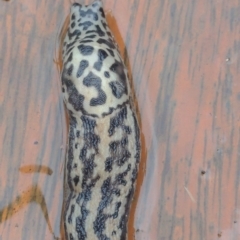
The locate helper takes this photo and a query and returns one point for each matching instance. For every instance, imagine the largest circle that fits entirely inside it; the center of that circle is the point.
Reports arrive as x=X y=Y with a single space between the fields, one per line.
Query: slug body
x=104 y=139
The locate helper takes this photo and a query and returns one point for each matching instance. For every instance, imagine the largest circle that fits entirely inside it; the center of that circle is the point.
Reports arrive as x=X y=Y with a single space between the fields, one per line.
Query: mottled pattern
x=104 y=141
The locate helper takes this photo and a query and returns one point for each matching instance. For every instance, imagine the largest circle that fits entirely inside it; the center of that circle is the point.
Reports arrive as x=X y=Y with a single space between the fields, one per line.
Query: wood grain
x=183 y=58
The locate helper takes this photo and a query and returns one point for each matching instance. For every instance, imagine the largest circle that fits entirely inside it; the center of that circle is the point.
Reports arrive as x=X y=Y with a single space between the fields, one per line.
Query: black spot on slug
x=106 y=74
x=82 y=66
x=70 y=69
x=98 y=65
x=85 y=25
x=92 y=80
x=102 y=12
x=89 y=13
x=73 y=17
x=70 y=57
x=85 y=50
x=76 y=180
x=101 y=56
x=108 y=164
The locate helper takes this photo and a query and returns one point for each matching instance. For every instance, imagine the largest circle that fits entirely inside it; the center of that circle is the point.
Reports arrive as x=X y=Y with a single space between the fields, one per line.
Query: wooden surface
x=183 y=56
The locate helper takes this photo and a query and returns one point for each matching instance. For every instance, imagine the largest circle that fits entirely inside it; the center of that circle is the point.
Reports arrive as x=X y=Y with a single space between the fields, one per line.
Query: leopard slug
x=103 y=151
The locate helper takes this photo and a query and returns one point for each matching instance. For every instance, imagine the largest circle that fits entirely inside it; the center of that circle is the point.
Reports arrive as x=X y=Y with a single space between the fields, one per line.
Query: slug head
x=92 y=12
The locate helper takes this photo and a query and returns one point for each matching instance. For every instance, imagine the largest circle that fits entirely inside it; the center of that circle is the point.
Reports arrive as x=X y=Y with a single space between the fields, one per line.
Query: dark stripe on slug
x=70 y=45
x=109 y=34
x=90 y=36
x=111 y=52
x=76 y=33
x=70 y=57
x=117 y=206
x=104 y=24
x=108 y=42
x=110 y=110
x=80 y=225
x=87 y=41
x=99 y=224
x=71 y=213
x=70 y=155
x=69 y=50
x=137 y=139
x=98 y=31
x=124 y=217
x=91 y=142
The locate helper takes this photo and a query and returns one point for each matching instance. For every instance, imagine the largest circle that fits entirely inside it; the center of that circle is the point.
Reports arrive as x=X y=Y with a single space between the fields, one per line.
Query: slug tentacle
x=104 y=140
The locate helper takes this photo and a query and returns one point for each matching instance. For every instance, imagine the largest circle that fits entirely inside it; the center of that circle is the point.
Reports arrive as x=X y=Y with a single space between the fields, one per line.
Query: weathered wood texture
x=183 y=56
